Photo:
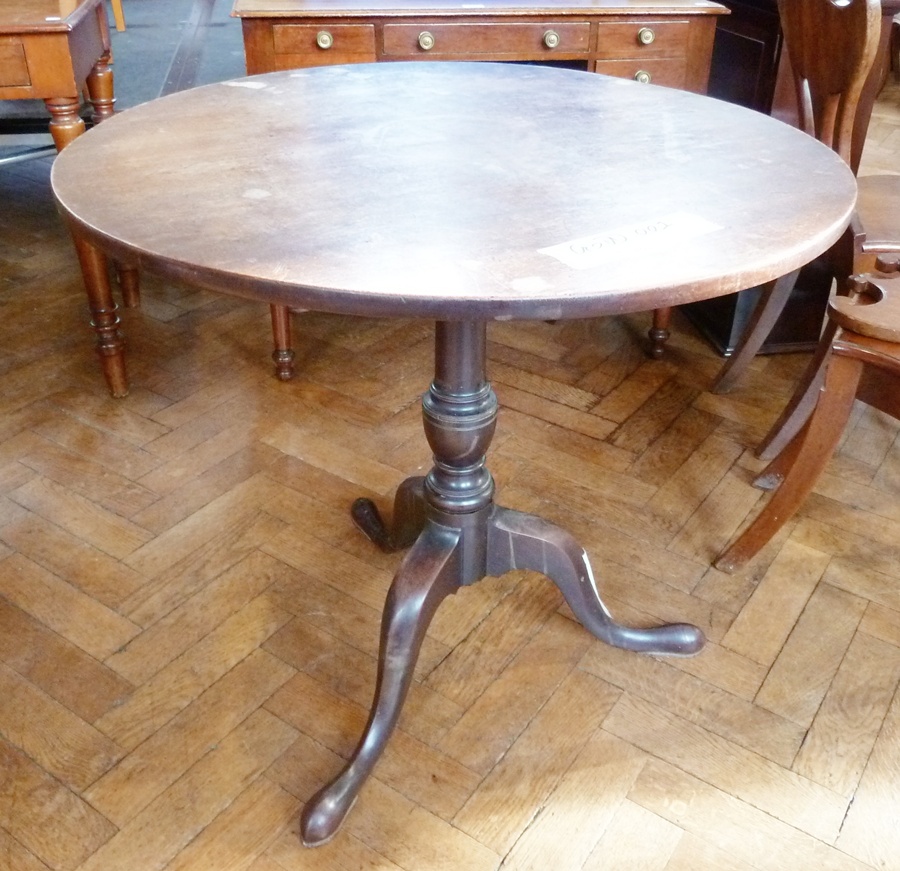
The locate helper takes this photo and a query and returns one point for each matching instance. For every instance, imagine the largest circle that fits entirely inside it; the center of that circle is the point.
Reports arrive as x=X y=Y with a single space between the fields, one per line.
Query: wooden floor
x=189 y=620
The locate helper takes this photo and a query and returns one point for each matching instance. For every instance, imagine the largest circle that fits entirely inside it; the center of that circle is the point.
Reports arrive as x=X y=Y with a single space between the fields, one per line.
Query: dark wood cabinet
x=744 y=70
x=746 y=53
x=722 y=321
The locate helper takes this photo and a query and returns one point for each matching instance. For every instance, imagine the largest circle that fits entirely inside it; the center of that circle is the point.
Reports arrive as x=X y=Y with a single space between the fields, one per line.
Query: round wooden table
x=462 y=193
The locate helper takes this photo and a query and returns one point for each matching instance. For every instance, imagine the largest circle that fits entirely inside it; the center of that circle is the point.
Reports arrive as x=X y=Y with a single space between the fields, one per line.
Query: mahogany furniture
x=873 y=235
x=862 y=344
x=48 y=50
x=785 y=105
x=463 y=193
x=875 y=230
x=879 y=201
x=668 y=43
x=832 y=50
x=750 y=67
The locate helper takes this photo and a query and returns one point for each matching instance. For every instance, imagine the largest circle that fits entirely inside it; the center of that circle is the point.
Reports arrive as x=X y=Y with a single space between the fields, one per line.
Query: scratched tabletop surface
x=455 y=190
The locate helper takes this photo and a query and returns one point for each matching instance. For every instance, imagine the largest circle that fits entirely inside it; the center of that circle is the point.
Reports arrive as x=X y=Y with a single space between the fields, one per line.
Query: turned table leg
x=283 y=354
x=129 y=279
x=66 y=124
x=659 y=333
x=100 y=89
x=104 y=317
x=101 y=92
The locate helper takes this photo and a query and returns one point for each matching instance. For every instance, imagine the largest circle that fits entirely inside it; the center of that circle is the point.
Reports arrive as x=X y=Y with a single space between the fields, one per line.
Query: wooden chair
x=832 y=50
x=862 y=361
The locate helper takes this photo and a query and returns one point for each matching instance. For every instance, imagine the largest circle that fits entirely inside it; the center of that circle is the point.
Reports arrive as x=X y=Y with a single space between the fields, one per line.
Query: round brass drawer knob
x=646 y=36
x=426 y=41
x=324 y=39
x=551 y=39
x=642 y=76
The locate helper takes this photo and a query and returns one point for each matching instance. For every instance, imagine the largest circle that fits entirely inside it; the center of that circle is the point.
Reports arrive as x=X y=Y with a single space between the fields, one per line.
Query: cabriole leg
x=523 y=541
x=407 y=521
x=427 y=575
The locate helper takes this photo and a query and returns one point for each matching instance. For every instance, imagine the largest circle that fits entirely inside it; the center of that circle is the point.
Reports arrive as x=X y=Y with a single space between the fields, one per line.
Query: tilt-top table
x=464 y=193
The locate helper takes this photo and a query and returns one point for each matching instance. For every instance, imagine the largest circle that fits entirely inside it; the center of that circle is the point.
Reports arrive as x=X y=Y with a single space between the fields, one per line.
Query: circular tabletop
x=455 y=190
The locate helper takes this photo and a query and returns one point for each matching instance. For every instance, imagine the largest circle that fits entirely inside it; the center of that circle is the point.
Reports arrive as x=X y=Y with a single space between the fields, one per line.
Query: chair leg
x=283 y=355
x=772 y=477
x=768 y=309
x=811 y=452
x=659 y=332
x=129 y=279
x=802 y=403
x=118 y=14
x=104 y=317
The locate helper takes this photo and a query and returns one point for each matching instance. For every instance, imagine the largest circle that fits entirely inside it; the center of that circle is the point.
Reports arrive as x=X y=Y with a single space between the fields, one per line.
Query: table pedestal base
x=458 y=535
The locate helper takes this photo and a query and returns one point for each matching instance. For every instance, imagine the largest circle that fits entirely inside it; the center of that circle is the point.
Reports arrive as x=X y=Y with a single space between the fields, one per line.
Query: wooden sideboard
x=668 y=43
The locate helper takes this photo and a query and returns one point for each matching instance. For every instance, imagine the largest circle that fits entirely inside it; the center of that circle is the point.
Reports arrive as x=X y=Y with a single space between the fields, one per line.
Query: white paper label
x=634 y=240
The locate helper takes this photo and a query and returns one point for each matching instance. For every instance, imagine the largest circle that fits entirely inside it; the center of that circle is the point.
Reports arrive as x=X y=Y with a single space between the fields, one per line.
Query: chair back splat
x=829 y=83
x=833 y=46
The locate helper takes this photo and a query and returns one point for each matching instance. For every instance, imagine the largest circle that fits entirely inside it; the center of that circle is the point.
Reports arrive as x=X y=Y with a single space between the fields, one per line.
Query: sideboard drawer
x=670 y=42
x=620 y=39
x=13 y=66
x=314 y=44
x=671 y=72
x=428 y=39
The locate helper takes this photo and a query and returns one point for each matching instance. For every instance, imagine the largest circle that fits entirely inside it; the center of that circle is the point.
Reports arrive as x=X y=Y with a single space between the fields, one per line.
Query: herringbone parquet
x=189 y=621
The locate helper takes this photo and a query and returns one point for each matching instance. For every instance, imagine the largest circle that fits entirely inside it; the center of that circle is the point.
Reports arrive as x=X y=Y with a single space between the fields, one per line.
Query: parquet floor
x=189 y=620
